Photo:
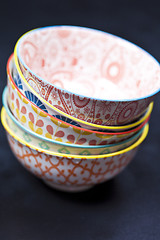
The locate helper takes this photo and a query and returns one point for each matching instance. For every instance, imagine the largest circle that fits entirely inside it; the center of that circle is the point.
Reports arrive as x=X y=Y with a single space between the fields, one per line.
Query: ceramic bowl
x=27 y=90
x=38 y=141
x=71 y=172
x=40 y=122
x=90 y=76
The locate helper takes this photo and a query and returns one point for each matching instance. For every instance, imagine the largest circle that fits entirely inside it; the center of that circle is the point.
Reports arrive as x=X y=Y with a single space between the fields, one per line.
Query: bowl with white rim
x=90 y=76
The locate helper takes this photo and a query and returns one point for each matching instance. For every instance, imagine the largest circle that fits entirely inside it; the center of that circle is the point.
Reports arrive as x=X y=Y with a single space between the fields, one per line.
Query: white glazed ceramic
x=40 y=122
x=90 y=76
x=68 y=172
x=28 y=91
x=39 y=142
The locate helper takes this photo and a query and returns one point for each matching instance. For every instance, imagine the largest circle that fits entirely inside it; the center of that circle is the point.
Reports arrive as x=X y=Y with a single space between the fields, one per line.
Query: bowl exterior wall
x=38 y=121
x=71 y=173
x=100 y=112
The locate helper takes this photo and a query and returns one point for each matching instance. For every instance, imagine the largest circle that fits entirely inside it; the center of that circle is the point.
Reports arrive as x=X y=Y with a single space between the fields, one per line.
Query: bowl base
x=67 y=188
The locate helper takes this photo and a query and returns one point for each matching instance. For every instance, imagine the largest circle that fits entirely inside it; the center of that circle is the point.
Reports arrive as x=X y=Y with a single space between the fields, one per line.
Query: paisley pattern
x=89 y=63
x=106 y=106
x=69 y=174
x=80 y=102
x=127 y=112
x=113 y=65
x=57 y=147
x=38 y=121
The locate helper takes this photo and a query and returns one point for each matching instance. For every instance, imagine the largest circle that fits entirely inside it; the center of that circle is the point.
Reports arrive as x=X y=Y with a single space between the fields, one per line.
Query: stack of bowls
x=77 y=104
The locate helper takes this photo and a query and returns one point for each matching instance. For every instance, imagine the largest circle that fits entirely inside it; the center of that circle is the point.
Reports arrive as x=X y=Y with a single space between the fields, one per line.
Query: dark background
x=127 y=207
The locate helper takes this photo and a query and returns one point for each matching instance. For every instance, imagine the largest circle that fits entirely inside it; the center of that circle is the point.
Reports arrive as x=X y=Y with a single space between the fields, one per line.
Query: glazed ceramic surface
x=71 y=173
x=40 y=122
x=56 y=147
x=83 y=72
x=27 y=90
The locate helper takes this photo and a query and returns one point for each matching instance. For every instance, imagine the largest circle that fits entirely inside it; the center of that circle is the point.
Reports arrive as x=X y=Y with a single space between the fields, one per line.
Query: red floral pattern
x=89 y=63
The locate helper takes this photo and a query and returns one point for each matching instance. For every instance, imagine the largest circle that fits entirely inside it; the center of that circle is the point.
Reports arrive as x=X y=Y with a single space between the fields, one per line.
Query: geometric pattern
x=69 y=171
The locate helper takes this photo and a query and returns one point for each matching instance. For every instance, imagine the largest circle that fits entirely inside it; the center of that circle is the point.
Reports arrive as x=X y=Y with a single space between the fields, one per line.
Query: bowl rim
x=124 y=127
x=17 y=49
x=136 y=144
x=6 y=116
x=12 y=117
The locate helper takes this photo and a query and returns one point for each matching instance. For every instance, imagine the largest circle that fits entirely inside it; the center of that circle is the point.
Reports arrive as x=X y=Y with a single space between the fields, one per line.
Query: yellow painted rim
x=68 y=116
x=136 y=144
x=125 y=131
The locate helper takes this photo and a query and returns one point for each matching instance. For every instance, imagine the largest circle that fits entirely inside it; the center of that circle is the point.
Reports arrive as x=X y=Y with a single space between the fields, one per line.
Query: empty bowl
x=90 y=76
x=29 y=92
x=39 y=121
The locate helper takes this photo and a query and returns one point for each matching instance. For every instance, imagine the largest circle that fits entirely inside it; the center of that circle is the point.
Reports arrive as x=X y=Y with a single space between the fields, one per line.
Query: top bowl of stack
x=90 y=76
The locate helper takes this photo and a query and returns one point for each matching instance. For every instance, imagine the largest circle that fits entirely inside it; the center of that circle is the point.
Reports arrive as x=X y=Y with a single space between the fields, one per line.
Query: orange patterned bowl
x=71 y=173
x=92 y=77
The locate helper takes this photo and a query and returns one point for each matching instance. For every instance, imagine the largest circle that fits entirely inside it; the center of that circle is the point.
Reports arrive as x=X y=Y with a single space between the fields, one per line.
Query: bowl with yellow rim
x=37 y=119
x=58 y=147
x=94 y=78
x=67 y=172
x=26 y=89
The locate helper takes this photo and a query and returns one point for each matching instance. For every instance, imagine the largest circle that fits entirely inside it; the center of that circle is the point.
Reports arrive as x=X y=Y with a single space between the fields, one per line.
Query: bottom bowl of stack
x=72 y=173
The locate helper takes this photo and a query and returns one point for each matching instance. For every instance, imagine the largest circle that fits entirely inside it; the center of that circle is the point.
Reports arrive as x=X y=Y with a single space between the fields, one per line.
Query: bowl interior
x=125 y=129
x=89 y=62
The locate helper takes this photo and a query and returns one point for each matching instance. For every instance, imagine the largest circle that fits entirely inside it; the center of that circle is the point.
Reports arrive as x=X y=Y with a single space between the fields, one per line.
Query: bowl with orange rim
x=94 y=78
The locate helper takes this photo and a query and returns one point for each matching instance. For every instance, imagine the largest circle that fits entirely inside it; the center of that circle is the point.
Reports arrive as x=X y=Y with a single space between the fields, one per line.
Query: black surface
x=127 y=207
